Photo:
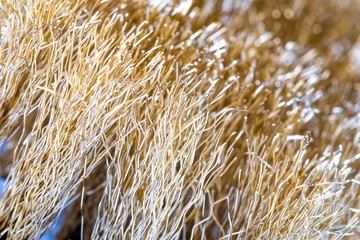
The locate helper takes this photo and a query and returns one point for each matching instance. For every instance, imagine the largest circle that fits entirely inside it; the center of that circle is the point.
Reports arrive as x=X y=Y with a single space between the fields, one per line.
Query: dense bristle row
x=180 y=119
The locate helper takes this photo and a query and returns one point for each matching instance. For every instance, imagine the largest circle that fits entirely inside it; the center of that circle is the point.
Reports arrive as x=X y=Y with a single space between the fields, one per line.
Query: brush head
x=180 y=119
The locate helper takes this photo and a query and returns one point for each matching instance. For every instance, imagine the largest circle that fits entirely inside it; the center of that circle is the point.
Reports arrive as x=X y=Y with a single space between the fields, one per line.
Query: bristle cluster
x=187 y=119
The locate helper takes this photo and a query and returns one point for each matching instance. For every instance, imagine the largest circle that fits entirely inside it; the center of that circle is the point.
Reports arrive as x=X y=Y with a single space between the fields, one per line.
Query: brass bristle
x=193 y=119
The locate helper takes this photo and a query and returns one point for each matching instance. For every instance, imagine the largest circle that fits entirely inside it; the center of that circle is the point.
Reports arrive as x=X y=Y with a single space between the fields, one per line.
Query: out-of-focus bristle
x=180 y=119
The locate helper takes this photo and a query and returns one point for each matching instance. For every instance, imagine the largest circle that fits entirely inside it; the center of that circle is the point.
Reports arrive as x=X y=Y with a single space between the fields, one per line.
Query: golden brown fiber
x=189 y=119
